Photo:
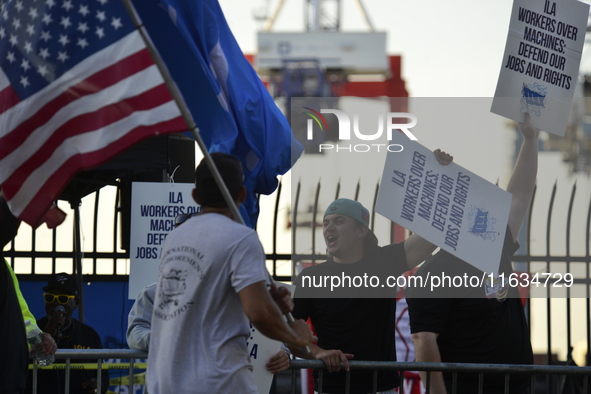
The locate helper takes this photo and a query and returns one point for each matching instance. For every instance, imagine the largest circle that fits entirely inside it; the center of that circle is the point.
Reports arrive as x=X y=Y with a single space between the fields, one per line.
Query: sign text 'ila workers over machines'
x=154 y=207
x=540 y=66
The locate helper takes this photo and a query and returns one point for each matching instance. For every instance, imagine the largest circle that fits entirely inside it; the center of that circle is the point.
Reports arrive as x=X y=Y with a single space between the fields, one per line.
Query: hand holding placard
x=540 y=65
x=447 y=205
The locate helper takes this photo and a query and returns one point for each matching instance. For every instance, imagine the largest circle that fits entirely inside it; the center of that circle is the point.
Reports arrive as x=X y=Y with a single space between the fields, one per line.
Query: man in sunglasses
x=61 y=300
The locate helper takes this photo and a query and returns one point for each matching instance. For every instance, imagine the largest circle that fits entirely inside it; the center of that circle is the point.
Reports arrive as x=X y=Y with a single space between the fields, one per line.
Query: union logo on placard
x=482 y=224
x=533 y=98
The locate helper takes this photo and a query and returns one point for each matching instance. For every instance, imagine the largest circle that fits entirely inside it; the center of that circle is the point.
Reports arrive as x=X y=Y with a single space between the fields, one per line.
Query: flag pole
x=186 y=114
x=172 y=88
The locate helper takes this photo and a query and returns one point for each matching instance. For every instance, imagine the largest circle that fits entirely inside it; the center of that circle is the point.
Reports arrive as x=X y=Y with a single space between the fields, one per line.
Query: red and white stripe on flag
x=100 y=107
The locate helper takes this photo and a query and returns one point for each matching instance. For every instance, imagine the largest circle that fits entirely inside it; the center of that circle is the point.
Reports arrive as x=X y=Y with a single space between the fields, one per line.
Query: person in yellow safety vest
x=13 y=312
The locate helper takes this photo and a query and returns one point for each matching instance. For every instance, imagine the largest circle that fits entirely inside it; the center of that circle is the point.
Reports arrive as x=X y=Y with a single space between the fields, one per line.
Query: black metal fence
x=543 y=379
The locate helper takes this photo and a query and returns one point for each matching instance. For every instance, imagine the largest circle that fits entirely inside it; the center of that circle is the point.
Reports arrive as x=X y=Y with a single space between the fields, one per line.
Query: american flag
x=77 y=87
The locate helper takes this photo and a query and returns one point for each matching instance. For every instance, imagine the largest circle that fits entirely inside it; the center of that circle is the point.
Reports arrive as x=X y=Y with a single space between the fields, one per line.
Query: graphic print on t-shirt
x=180 y=274
x=173 y=286
x=497 y=287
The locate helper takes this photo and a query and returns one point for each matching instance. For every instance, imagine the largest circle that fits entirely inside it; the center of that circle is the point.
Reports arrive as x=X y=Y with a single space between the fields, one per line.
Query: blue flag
x=229 y=103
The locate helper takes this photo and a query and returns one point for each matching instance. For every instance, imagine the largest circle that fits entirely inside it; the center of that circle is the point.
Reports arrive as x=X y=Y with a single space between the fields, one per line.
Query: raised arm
x=264 y=314
x=427 y=351
x=522 y=182
x=417 y=250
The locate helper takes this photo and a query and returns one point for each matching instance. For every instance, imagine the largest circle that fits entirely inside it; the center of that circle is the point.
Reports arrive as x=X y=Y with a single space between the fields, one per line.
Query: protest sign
x=447 y=205
x=260 y=350
x=154 y=207
x=540 y=66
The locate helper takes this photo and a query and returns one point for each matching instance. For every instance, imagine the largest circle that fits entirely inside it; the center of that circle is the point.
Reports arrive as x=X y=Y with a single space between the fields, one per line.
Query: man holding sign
x=355 y=321
x=477 y=322
x=212 y=280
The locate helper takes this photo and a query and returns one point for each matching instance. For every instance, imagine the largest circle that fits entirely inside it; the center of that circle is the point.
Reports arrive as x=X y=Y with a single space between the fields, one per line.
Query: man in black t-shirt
x=355 y=321
x=481 y=324
x=484 y=325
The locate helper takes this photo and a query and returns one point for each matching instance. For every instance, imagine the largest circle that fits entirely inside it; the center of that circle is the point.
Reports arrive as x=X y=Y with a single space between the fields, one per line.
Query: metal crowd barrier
x=88 y=354
x=507 y=370
x=561 y=372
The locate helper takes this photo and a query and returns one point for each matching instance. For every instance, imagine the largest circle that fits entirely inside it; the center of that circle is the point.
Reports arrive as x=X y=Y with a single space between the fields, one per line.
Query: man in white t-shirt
x=212 y=281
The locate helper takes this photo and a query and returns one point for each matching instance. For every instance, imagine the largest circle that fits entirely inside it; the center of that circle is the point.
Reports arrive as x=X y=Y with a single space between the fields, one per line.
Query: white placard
x=154 y=206
x=261 y=349
x=541 y=62
x=447 y=205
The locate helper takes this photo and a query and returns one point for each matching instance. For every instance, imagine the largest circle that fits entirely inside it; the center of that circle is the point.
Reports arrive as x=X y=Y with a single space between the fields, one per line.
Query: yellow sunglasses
x=62 y=298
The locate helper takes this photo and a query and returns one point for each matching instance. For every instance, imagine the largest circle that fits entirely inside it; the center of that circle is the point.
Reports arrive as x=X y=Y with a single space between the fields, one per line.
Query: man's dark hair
x=207 y=189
